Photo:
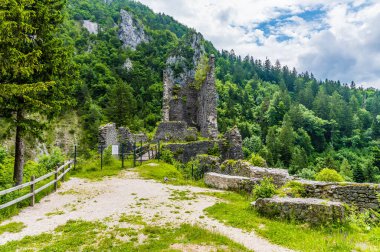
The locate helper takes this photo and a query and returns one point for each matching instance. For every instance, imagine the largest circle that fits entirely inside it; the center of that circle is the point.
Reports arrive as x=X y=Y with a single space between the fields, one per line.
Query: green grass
x=178 y=195
x=237 y=212
x=96 y=236
x=57 y=212
x=158 y=170
x=91 y=168
x=13 y=227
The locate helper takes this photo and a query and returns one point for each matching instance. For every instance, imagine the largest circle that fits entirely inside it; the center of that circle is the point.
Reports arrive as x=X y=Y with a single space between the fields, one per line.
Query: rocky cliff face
x=131 y=32
x=91 y=27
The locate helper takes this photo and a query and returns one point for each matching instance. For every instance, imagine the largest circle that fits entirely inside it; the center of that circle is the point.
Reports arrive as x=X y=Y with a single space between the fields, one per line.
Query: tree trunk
x=19 y=150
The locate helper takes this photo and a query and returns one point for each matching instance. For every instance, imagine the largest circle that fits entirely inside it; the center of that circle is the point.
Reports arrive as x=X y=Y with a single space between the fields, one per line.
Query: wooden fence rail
x=34 y=181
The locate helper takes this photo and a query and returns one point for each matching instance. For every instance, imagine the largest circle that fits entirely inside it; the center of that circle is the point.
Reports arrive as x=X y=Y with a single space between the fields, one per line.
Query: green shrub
x=293 y=189
x=214 y=151
x=363 y=220
x=306 y=173
x=167 y=156
x=53 y=160
x=193 y=170
x=266 y=189
x=329 y=175
x=3 y=154
x=107 y=156
x=257 y=160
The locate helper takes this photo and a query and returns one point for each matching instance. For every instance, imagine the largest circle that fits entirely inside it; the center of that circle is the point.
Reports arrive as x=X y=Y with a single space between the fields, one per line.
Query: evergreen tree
x=32 y=59
x=358 y=174
x=299 y=160
x=346 y=171
x=285 y=141
x=121 y=104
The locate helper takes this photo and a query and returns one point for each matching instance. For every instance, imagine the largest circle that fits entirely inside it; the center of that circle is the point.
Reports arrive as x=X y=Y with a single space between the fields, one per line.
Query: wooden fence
x=32 y=184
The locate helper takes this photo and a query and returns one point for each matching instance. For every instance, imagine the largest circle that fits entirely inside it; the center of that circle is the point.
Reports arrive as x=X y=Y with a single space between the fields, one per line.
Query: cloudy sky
x=339 y=40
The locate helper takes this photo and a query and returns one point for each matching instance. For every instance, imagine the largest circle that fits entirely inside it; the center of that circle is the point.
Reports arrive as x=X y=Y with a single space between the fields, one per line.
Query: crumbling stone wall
x=108 y=135
x=207 y=103
x=111 y=135
x=182 y=101
x=175 y=131
x=184 y=152
x=232 y=147
x=364 y=196
x=233 y=183
x=314 y=211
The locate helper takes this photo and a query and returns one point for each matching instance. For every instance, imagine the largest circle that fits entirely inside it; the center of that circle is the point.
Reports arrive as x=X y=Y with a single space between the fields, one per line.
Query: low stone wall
x=226 y=182
x=108 y=135
x=364 y=196
x=184 y=152
x=311 y=210
x=175 y=131
x=279 y=176
x=245 y=169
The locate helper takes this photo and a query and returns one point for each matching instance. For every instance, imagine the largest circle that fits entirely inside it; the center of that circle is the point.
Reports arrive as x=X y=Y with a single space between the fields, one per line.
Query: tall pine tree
x=32 y=58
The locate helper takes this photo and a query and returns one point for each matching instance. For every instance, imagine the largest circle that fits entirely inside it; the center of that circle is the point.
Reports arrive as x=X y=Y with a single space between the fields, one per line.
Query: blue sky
x=339 y=40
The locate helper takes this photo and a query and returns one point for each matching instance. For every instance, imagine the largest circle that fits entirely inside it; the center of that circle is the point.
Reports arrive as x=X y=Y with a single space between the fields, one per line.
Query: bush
x=307 y=173
x=167 y=156
x=329 y=175
x=363 y=221
x=53 y=160
x=3 y=154
x=293 y=189
x=266 y=189
x=257 y=160
x=107 y=155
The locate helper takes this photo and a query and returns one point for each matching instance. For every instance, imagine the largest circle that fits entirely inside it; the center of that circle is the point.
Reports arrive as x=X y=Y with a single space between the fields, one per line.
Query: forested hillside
x=289 y=119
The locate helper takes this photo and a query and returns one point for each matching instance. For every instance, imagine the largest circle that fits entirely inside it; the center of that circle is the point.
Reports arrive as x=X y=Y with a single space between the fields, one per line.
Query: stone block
x=226 y=182
x=310 y=210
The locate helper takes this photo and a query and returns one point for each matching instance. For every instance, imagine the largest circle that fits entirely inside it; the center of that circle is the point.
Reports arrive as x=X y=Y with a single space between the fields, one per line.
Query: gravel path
x=157 y=203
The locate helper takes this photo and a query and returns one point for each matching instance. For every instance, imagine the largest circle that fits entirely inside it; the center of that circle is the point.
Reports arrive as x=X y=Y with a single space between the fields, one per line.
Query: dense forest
x=290 y=119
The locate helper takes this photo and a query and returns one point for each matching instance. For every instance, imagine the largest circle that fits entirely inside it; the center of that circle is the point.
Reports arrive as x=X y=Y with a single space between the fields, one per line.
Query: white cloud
x=342 y=44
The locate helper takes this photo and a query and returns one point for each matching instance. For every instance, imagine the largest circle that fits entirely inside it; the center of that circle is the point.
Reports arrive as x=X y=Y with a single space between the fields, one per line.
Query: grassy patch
x=159 y=170
x=13 y=227
x=96 y=236
x=179 y=195
x=57 y=212
x=132 y=219
x=91 y=169
x=236 y=211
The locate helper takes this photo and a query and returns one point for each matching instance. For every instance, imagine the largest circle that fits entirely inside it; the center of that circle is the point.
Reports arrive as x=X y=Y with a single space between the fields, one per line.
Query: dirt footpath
x=128 y=194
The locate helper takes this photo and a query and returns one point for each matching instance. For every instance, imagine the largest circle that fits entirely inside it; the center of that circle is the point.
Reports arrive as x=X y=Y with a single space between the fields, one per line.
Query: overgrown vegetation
x=168 y=173
x=329 y=175
x=235 y=210
x=266 y=189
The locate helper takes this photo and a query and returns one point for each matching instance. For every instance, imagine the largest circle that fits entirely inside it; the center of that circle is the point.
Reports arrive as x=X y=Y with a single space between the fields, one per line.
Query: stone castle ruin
x=189 y=105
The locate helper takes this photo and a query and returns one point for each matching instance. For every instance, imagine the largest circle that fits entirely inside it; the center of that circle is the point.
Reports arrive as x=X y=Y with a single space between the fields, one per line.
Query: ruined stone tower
x=207 y=114
x=187 y=102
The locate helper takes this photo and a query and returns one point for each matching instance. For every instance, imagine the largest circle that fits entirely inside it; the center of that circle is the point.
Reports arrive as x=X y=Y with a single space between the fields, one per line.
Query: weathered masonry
x=185 y=102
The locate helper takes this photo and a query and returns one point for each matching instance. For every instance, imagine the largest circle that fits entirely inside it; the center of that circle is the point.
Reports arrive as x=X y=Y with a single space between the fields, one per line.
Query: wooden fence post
x=32 y=186
x=134 y=154
x=141 y=152
x=63 y=172
x=56 y=178
x=75 y=156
